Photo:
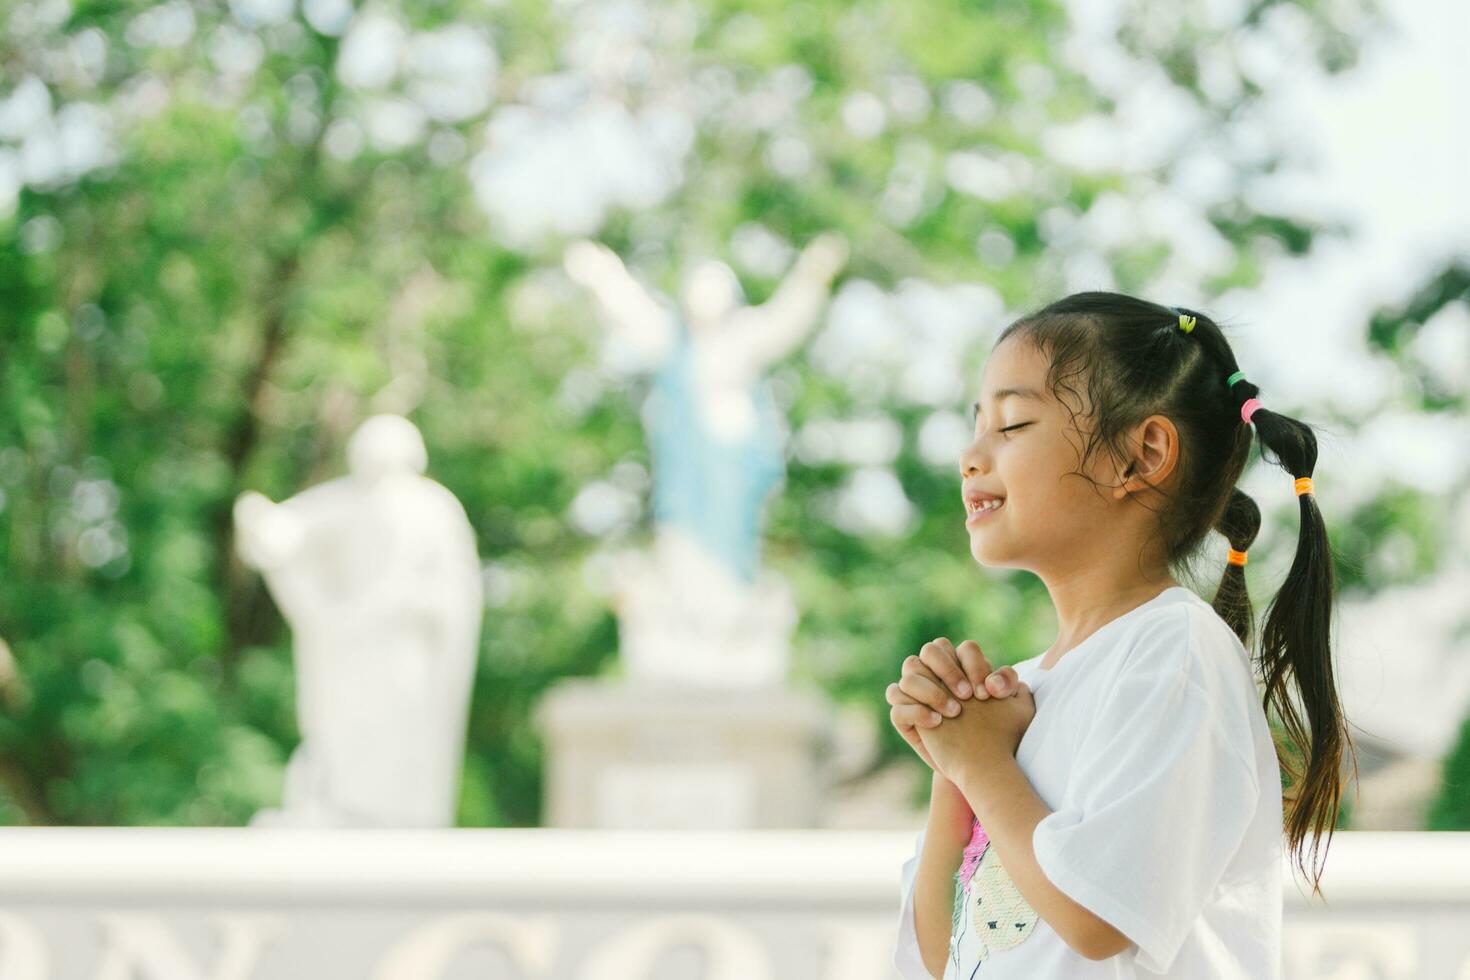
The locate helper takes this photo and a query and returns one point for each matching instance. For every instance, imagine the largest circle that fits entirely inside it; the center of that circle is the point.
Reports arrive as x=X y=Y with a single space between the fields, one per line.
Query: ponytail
x=1240 y=523
x=1295 y=642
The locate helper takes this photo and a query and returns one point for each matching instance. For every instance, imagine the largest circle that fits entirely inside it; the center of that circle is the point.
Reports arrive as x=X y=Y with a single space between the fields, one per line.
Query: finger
x=929 y=693
x=913 y=666
x=913 y=716
x=939 y=656
x=975 y=663
x=895 y=695
x=960 y=684
x=1002 y=683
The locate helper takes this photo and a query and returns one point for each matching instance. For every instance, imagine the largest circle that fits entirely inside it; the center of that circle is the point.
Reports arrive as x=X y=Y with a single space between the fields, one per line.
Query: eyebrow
x=1004 y=393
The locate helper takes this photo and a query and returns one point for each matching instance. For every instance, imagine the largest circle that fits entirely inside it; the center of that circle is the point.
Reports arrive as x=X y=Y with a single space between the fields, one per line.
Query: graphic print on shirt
x=1001 y=918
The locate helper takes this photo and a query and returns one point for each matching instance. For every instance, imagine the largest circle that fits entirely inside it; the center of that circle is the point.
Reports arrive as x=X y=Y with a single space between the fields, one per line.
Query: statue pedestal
x=622 y=755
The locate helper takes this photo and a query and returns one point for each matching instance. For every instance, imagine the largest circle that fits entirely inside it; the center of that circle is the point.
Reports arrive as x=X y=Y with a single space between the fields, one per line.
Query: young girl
x=1113 y=807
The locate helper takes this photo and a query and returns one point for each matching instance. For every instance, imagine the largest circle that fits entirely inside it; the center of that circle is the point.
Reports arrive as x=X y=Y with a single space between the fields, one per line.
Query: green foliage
x=218 y=310
x=1450 y=810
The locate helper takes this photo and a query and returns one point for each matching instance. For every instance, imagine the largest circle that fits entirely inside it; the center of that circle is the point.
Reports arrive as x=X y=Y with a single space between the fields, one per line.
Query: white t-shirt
x=1152 y=749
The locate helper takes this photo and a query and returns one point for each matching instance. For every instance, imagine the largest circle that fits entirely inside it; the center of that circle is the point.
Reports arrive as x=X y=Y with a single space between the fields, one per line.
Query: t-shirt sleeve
x=906 y=956
x=1158 y=800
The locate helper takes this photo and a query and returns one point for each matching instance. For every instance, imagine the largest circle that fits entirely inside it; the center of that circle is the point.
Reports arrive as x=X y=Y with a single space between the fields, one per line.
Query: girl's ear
x=1156 y=452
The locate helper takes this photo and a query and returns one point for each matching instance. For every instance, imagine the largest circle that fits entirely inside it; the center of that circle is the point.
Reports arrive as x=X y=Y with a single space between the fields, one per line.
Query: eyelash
x=1018 y=425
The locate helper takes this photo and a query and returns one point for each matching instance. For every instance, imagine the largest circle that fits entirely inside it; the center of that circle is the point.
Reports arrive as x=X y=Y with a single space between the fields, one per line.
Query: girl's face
x=1026 y=449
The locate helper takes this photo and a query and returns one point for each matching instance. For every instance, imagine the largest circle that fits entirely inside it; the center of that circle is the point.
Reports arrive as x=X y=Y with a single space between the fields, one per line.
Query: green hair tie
x=1186 y=323
x=1230 y=381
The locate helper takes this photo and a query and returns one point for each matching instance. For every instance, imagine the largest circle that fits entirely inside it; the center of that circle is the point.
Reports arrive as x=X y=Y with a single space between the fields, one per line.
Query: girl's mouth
x=981 y=513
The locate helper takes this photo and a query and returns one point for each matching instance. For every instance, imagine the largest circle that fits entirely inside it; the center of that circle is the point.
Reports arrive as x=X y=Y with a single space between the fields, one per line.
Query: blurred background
x=234 y=232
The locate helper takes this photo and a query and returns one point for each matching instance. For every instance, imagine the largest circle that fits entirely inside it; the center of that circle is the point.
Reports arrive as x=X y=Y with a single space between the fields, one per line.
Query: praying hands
x=933 y=708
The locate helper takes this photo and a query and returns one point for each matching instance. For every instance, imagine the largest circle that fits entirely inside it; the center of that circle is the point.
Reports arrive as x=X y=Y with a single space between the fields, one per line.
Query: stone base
x=620 y=755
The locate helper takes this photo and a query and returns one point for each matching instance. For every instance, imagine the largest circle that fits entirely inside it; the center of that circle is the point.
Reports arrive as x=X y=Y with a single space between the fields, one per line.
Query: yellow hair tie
x=1236 y=557
x=1303 y=485
x=1186 y=323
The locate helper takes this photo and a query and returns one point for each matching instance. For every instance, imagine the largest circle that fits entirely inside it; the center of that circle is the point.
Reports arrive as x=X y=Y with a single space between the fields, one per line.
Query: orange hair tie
x=1236 y=557
x=1303 y=485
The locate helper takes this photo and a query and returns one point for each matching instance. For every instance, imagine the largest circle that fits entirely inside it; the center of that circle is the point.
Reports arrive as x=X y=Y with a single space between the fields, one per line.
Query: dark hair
x=1123 y=359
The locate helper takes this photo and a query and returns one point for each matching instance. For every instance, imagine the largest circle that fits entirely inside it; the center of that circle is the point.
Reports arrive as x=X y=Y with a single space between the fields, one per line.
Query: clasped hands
x=933 y=708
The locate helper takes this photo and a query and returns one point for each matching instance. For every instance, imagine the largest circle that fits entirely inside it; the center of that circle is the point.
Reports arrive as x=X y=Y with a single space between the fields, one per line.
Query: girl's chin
x=985 y=551
x=992 y=561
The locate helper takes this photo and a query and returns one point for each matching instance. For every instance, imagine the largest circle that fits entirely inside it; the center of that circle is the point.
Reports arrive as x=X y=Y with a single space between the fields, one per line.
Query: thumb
x=1002 y=682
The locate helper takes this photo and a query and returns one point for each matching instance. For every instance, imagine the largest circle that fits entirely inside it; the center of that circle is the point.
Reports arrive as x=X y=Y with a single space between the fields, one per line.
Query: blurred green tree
x=288 y=235
x=1421 y=336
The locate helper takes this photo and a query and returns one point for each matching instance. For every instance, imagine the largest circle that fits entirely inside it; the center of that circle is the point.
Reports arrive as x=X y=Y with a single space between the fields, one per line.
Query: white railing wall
x=240 y=904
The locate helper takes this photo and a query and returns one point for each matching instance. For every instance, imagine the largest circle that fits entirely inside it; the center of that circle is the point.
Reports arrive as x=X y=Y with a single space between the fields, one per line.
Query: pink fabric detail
x=1249 y=409
x=974 y=850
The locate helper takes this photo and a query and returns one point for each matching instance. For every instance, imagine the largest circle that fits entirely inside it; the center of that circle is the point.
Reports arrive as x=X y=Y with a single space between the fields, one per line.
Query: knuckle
x=971 y=653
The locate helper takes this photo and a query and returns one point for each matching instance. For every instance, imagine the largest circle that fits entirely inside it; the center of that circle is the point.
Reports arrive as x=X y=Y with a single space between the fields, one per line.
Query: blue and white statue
x=701 y=610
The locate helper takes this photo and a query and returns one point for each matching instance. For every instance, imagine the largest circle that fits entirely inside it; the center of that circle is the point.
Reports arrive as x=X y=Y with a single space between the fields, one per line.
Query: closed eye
x=1018 y=425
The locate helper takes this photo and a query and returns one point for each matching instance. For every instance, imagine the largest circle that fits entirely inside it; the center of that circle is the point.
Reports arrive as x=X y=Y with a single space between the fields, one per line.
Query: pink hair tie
x=1249 y=408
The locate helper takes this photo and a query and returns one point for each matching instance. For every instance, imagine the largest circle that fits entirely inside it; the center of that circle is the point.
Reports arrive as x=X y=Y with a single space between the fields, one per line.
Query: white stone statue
x=378 y=577
x=700 y=610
